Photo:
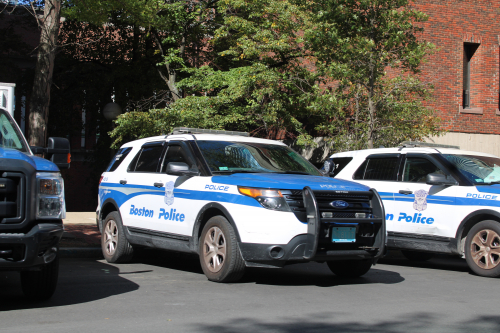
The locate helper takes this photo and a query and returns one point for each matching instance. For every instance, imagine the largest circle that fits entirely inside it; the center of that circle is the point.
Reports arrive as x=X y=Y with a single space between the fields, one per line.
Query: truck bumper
x=19 y=251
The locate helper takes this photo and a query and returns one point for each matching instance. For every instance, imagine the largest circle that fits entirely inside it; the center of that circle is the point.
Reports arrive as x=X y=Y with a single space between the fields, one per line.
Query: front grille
x=358 y=203
x=12 y=189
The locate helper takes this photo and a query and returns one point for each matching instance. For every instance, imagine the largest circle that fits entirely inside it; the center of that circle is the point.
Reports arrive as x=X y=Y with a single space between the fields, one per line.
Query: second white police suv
x=437 y=199
x=236 y=201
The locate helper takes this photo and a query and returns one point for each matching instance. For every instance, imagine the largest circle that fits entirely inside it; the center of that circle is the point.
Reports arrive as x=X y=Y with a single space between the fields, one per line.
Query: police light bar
x=187 y=130
x=412 y=144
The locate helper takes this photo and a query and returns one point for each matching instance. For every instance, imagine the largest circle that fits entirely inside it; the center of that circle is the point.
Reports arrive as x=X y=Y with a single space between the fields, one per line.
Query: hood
x=38 y=163
x=489 y=188
x=288 y=182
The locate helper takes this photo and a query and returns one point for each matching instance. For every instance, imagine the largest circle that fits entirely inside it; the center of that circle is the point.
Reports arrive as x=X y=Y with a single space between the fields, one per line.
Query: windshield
x=478 y=169
x=9 y=135
x=234 y=157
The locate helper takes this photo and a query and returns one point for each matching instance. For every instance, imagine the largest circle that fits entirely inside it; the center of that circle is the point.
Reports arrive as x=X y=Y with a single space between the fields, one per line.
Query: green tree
x=347 y=70
x=372 y=52
x=259 y=80
x=178 y=28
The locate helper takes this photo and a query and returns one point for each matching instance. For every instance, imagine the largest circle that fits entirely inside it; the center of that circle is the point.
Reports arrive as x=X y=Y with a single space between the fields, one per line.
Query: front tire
x=41 y=285
x=350 y=268
x=220 y=256
x=115 y=246
x=417 y=256
x=482 y=249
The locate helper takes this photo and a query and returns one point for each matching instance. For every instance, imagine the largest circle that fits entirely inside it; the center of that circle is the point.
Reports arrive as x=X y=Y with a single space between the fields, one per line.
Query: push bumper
x=19 y=251
x=316 y=245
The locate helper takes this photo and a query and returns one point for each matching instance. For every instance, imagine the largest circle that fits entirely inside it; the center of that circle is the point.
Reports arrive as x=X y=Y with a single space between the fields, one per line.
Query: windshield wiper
x=230 y=172
x=491 y=183
x=290 y=172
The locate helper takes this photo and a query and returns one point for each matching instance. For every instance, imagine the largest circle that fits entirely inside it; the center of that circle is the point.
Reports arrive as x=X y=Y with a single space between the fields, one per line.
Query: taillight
x=100 y=180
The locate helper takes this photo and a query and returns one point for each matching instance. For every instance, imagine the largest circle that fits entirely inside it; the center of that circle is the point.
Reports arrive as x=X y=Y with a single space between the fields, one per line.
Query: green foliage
x=178 y=28
x=372 y=51
x=257 y=82
x=343 y=69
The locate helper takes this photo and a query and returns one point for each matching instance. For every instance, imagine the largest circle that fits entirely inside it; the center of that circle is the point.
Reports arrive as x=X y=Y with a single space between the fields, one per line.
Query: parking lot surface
x=167 y=292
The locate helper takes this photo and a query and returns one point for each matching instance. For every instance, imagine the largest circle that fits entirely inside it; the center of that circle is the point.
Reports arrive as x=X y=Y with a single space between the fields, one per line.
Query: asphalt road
x=166 y=292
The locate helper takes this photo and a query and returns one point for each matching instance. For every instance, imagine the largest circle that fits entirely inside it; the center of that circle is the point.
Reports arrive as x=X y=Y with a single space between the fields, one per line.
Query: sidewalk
x=81 y=237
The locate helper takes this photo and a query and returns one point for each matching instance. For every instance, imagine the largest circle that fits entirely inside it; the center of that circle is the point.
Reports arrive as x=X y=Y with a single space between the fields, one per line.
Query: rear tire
x=350 y=268
x=115 y=246
x=220 y=256
x=41 y=285
x=417 y=256
x=482 y=249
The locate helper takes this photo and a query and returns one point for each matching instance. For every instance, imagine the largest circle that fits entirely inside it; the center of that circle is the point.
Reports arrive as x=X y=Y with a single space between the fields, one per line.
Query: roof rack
x=413 y=144
x=187 y=130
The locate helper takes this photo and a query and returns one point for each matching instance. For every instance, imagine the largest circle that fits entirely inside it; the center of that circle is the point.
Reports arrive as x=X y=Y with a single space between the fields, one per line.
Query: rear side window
x=377 y=169
x=340 y=163
x=118 y=159
x=148 y=159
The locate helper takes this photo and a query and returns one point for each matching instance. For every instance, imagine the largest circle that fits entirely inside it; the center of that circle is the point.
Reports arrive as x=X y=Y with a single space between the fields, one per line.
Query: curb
x=81 y=252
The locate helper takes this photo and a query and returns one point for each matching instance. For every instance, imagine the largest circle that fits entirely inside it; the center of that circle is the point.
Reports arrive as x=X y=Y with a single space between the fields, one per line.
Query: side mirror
x=180 y=169
x=58 y=151
x=328 y=168
x=440 y=179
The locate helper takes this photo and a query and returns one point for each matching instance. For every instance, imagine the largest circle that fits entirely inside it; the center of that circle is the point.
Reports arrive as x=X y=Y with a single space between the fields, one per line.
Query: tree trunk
x=371 y=124
x=40 y=97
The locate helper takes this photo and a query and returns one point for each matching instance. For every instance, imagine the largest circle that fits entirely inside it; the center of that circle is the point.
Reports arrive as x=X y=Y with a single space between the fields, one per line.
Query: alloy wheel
x=214 y=249
x=485 y=249
x=111 y=237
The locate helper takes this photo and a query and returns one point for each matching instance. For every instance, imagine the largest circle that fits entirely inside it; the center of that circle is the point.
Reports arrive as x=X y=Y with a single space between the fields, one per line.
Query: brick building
x=465 y=70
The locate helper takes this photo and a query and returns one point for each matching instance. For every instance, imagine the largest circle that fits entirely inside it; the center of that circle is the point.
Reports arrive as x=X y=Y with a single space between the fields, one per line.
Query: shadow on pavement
x=292 y=275
x=80 y=281
x=438 y=262
x=418 y=322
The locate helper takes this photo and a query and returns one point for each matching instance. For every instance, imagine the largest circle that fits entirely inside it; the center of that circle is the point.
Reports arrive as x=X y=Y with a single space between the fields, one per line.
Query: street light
x=111 y=111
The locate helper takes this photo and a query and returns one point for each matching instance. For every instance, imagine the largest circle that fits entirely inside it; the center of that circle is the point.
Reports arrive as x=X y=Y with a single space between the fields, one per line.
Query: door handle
x=158 y=184
x=405 y=192
x=123 y=181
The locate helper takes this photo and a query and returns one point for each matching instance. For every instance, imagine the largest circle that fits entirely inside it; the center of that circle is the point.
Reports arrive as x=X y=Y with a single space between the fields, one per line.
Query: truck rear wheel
x=220 y=256
x=350 y=268
x=114 y=244
x=40 y=285
x=482 y=248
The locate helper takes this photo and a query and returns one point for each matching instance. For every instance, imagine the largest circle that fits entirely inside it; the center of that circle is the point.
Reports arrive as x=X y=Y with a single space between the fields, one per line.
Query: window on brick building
x=469 y=50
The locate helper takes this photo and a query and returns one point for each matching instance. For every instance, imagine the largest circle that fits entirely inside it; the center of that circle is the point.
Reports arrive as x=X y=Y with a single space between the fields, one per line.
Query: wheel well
x=105 y=210
x=203 y=218
x=469 y=223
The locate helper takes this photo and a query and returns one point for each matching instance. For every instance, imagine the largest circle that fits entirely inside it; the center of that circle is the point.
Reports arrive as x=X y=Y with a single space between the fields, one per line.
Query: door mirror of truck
x=58 y=152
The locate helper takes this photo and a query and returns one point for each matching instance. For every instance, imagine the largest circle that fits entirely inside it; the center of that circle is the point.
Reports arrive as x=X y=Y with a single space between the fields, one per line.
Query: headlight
x=50 y=196
x=270 y=199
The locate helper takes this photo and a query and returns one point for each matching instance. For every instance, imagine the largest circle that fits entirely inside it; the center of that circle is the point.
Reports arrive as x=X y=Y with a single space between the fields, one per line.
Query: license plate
x=343 y=234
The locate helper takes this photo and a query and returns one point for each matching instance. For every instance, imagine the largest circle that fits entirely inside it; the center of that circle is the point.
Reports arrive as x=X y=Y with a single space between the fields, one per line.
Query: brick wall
x=451 y=24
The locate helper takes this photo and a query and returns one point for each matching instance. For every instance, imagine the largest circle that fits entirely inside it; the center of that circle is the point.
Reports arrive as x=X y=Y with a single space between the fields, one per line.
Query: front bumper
x=316 y=244
x=19 y=251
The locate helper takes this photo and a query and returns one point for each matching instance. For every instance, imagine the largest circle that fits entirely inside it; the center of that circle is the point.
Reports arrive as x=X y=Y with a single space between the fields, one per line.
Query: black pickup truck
x=32 y=207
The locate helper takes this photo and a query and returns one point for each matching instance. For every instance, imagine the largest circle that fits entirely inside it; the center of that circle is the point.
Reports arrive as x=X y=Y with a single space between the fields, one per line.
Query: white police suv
x=437 y=199
x=236 y=201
